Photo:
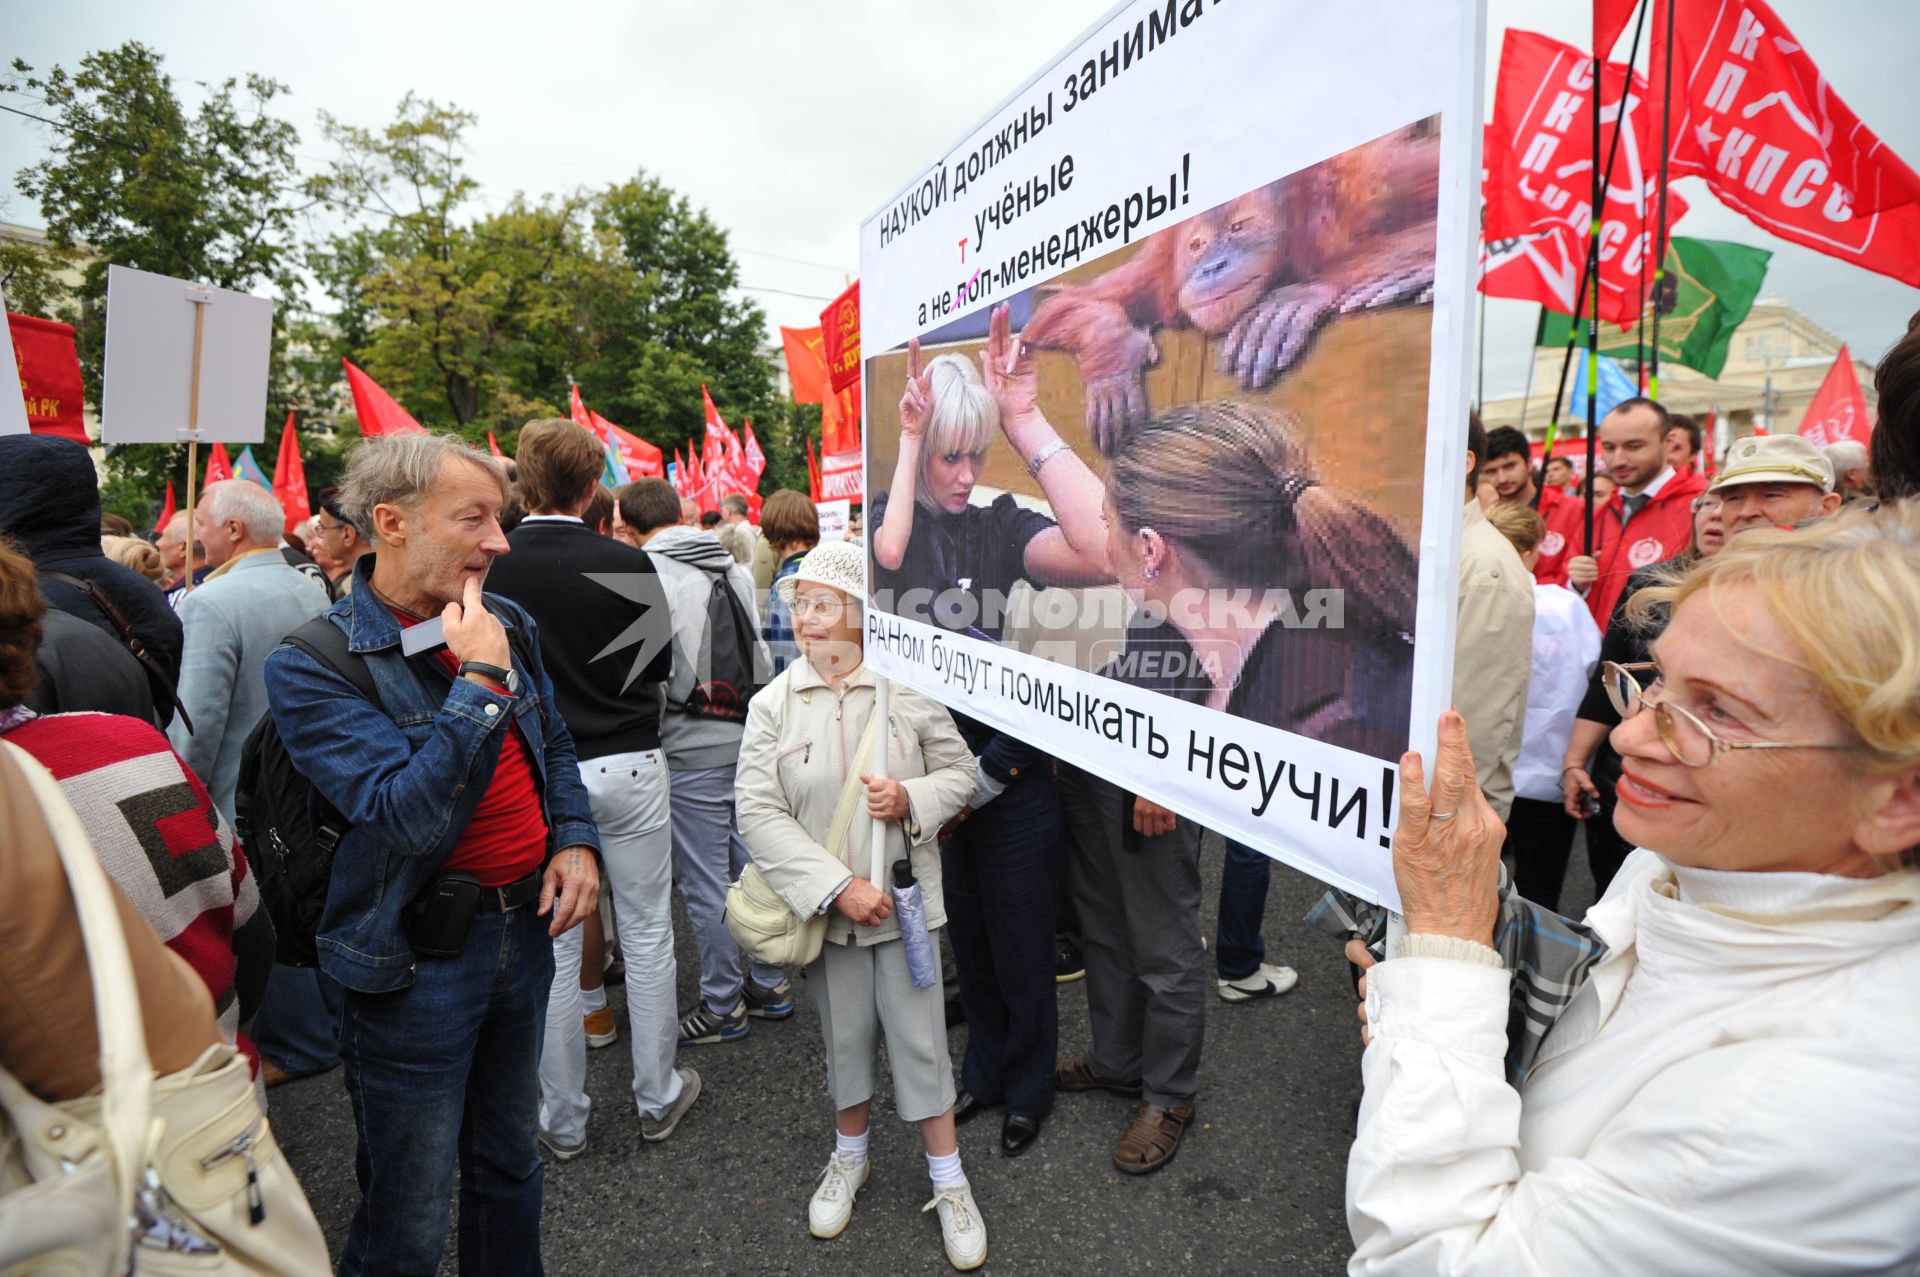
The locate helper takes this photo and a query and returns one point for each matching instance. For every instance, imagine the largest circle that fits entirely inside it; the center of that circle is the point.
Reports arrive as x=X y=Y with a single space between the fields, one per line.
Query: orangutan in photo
x=1262 y=272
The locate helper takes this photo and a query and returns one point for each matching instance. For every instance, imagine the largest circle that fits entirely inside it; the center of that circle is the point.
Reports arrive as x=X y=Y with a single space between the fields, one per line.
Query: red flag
x=49 y=371
x=1542 y=268
x=806 y=363
x=840 y=421
x=219 y=469
x=493 y=446
x=756 y=459
x=840 y=331
x=1539 y=163
x=813 y=472
x=290 y=478
x=642 y=459
x=167 y=511
x=578 y=409
x=721 y=450
x=1838 y=410
x=1610 y=18
x=376 y=409
x=1757 y=120
x=679 y=473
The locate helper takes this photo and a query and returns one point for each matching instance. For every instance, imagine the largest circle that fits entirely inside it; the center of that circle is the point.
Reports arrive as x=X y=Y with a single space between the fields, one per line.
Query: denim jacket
x=407 y=773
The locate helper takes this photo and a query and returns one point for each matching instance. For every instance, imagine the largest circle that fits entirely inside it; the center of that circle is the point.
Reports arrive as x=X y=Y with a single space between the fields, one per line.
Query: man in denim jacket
x=463 y=767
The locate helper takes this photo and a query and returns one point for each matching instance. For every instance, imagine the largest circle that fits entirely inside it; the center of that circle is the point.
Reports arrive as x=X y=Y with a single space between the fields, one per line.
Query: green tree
x=664 y=319
x=133 y=177
x=467 y=324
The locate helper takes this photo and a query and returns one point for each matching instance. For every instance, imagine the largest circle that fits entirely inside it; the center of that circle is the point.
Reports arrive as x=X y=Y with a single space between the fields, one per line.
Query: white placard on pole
x=13 y=404
x=835 y=516
x=149 y=390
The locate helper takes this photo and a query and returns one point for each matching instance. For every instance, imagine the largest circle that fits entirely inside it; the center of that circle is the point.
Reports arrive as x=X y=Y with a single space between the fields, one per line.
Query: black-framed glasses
x=1689 y=740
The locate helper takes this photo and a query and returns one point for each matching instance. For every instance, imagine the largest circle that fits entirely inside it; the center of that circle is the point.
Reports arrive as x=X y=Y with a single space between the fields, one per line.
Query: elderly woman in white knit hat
x=806 y=757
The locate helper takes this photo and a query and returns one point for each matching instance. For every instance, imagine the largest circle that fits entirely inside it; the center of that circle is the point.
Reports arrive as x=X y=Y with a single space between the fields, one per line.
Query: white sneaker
x=961 y=1227
x=832 y=1204
x=1269 y=981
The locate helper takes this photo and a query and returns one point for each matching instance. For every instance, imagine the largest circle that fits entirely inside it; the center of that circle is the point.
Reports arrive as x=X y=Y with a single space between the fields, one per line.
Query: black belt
x=512 y=896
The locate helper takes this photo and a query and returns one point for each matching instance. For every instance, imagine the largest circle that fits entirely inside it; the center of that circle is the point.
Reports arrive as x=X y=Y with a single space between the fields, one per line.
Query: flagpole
x=1480 y=376
x=1660 y=223
x=1592 y=267
x=1600 y=185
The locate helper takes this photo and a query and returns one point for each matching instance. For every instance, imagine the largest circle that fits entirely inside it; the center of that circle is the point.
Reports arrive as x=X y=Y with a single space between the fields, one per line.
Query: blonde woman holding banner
x=1731 y=1087
x=809 y=748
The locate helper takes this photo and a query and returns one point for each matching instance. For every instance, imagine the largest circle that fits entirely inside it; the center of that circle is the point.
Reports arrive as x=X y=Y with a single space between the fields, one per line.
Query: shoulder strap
x=326 y=643
x=134 y=643
x=850 y=791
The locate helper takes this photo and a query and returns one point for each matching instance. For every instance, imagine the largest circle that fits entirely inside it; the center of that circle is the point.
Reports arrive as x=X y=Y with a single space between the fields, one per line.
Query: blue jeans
x=1238 y=948
x=997 y=877
x=449 y=1068
x=298 y=1024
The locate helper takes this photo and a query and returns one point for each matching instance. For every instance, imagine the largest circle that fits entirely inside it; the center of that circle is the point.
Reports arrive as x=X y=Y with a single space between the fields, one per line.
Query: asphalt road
x=1256 y=1187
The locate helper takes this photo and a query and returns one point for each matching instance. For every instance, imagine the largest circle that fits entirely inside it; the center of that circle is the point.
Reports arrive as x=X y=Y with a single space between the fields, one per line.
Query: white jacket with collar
x=794 y=761
x=1735 y=1090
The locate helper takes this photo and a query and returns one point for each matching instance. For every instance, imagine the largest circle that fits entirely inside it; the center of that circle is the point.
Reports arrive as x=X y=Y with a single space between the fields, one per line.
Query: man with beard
x=1647 y=519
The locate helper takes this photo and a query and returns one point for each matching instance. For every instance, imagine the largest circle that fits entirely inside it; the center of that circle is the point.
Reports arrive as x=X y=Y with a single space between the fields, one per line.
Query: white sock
x=945 y=1170
x=592 y=1000
x=851 y=1148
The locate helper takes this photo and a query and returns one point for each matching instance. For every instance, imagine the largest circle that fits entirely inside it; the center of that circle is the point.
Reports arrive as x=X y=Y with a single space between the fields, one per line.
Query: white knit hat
x=841 y=564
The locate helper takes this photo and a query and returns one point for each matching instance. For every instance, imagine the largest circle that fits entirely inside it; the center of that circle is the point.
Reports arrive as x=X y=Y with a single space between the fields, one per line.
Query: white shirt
x=1566 y=647
x=1731 y=1092
x=1651 y=491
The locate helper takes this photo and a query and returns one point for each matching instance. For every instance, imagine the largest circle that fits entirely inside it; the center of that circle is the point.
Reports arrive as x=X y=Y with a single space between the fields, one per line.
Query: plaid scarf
x=1548 y=955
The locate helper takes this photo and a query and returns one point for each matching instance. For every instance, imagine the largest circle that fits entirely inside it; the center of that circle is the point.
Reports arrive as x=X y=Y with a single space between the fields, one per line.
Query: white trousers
x=629 y=797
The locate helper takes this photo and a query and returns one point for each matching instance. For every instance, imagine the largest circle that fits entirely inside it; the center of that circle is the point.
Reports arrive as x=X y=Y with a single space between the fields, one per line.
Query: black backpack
x=733 y=668
x=289 y=831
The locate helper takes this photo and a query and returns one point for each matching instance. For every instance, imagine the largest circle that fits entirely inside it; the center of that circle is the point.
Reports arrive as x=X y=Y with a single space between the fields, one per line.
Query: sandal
x=1075 y=1073
x=1152 y=1139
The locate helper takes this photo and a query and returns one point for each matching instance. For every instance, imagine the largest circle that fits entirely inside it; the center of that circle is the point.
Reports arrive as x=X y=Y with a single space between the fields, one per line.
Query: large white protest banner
x=1166 y=386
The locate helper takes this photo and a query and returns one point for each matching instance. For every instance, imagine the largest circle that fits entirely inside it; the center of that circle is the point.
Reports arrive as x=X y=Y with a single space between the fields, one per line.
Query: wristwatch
x=507 y=678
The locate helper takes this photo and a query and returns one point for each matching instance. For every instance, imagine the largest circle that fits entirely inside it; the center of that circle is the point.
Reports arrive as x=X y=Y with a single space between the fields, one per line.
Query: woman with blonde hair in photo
x=1730 y=1088
x=802 y=766
x=927 y=534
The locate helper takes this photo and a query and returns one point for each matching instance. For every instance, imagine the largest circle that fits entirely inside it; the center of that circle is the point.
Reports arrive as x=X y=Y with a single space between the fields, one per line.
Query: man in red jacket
x=1648 y=518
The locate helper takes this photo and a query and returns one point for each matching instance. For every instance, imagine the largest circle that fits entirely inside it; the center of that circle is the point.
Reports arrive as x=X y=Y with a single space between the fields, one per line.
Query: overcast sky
x=790 y=122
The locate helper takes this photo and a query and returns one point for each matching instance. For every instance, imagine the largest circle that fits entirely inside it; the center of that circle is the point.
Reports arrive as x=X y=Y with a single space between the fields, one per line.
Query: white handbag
x=173 y=1175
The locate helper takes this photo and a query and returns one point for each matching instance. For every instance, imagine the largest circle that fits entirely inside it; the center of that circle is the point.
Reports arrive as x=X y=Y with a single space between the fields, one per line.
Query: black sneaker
x=768 y=1004
x=701 y=1027
x=1068 y=965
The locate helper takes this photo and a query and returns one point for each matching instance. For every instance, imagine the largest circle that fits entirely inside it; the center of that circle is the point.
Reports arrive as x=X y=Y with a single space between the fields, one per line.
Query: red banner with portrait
x=840 y=329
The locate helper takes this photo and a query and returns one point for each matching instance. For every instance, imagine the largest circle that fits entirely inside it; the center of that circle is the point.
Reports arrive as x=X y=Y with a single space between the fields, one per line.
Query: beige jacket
x=1492 y=653
x=793 y=762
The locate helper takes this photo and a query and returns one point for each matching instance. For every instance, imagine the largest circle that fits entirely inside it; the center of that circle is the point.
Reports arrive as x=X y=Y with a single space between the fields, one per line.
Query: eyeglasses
x=825 y=606
x=1689 y=740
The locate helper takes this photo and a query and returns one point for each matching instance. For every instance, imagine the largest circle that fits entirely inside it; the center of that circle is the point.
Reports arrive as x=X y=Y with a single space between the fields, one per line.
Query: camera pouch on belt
x=437 y=921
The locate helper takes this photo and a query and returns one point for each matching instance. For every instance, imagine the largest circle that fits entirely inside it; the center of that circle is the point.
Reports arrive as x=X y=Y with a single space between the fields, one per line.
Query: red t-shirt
x=507 y=837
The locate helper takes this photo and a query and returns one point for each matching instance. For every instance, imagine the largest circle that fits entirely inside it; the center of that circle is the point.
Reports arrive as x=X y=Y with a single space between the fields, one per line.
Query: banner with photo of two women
x=1165 y=374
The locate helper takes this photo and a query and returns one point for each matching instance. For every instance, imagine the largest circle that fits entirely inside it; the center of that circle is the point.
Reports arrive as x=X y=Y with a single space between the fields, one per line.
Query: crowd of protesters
x=619 y=697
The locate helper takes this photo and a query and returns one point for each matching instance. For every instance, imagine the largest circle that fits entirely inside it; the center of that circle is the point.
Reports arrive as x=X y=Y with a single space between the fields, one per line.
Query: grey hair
x=243 y=499
x=1847 y=454
x=737 y=503
x=400 y=470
